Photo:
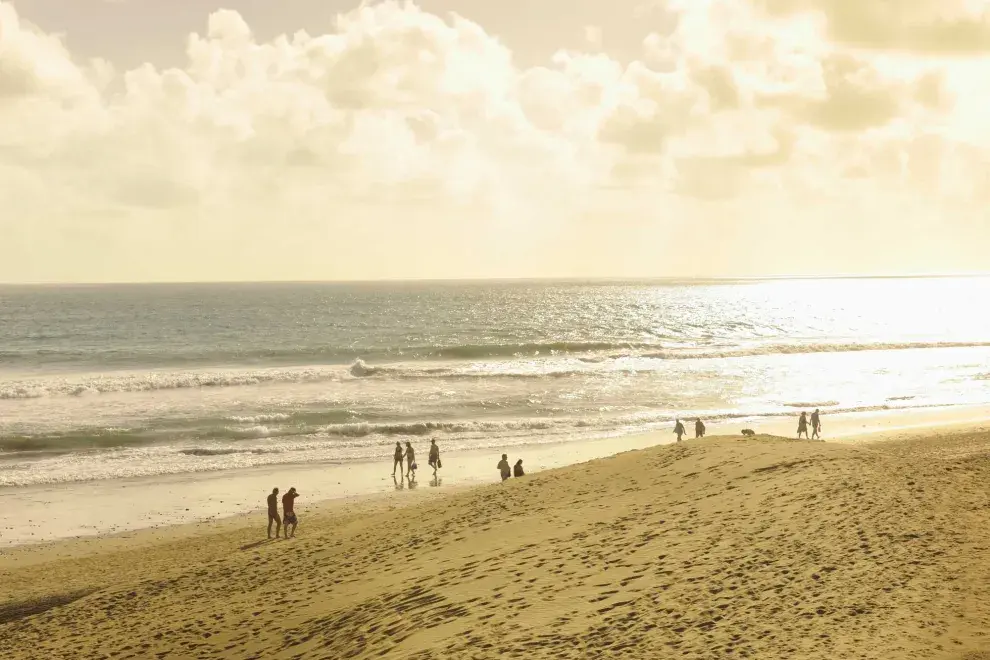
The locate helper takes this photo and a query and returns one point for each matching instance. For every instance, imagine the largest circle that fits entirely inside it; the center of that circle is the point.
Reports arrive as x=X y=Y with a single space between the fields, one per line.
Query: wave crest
x=589 y=364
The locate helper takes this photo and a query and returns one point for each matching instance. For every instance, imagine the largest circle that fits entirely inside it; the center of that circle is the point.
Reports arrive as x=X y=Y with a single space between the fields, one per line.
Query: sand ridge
x=761 y=548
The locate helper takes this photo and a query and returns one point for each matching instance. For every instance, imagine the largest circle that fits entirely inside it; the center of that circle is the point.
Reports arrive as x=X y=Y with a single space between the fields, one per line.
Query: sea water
x=118 y=381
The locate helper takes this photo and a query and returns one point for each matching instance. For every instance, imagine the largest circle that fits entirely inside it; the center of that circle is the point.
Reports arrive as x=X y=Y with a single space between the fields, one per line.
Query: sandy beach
x=873 y=547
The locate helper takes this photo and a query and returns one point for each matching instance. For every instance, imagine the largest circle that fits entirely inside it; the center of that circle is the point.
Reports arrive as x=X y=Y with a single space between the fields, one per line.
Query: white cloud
x=402 y=143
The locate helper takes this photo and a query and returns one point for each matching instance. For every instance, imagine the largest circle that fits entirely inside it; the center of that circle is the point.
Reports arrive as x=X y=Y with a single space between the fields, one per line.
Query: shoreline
x=90 y=511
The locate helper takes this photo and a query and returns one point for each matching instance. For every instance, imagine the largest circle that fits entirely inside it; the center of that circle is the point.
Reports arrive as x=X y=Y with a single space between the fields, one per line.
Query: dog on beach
x=748 y=432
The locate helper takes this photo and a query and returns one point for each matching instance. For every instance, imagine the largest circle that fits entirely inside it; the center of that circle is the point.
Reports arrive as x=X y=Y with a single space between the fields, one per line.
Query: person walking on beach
x=803 y=425
x=517 y=469
x=288 y=500
x=397 y=459
x=816 y=425
x=503 y=467
x=679 y=430
x=410 y=461
x=434 y=460
x=699 y=428
x=273 y=516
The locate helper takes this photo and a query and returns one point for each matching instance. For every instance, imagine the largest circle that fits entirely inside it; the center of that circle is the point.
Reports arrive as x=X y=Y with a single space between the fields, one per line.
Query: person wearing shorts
x=288 y=500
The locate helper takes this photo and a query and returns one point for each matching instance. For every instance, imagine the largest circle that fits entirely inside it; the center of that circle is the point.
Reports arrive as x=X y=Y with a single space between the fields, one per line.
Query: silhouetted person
x=816 y=425
x=679 y=430
x=434 y=459
x=803 y=425
x=517 y=470
x=397 y=458
x=288 y=500
x=410 y=461
x=699 y=428
x=273 y=516
x=503 y=467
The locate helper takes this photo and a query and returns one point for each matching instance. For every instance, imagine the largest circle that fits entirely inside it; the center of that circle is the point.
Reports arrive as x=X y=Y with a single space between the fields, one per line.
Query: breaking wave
x=538 y=364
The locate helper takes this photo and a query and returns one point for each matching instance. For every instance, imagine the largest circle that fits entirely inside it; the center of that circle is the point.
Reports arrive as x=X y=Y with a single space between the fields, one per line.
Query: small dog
x=748 y=432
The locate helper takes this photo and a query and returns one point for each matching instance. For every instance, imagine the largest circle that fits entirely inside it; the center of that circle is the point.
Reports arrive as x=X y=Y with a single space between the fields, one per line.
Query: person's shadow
x=250 y=546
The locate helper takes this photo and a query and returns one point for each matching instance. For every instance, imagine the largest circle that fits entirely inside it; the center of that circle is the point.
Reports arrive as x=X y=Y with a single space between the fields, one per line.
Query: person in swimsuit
x=288 y=500
x=803 y=425
x=273 y=516
x=410 y=461
x=434 y=459
x=517 y=470
x=816 y=425
x=699 y=428
x=503 y=467
x=679 y=430
x=397 y=458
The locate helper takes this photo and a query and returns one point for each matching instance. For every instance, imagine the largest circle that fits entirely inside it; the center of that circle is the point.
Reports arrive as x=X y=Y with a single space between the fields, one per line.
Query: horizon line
x=466 y=280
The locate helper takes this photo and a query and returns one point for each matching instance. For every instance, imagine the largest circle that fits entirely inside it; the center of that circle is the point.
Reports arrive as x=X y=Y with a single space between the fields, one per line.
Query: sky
x=222 y=140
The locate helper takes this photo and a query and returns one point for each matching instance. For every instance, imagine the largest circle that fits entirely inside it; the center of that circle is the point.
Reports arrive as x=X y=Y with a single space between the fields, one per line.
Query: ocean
x=120 y=381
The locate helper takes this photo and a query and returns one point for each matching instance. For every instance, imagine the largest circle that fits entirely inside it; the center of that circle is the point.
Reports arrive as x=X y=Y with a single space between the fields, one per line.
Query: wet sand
x=874 y=547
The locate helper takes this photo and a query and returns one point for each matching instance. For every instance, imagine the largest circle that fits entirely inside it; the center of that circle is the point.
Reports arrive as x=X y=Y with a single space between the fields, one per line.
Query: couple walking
x=410 y=457
x=816 y=425
x=288 y=511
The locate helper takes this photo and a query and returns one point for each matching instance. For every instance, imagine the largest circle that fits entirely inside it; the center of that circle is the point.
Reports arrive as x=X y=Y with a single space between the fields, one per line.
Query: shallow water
x=104 y=382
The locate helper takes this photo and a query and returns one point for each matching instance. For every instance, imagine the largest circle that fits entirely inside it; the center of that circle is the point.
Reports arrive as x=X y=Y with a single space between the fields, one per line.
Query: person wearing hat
x=288 y=513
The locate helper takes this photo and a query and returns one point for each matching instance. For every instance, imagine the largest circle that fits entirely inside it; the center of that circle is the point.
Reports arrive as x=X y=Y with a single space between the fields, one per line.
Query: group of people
x=699 y=429
x=288 y=517
x=506 y=472
x=409 y=455
x=816 y=425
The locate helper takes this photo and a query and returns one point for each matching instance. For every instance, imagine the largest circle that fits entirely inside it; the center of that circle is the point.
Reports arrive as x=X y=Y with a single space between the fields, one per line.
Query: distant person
x=397 y=459
x=816 y=425
x=699 y=428
x=288 y=500
x=434 y=460
x=503 y=467
x=517 y=469
x=679 y=430
x=803 y=425
x=273 y=516
x=410 y=461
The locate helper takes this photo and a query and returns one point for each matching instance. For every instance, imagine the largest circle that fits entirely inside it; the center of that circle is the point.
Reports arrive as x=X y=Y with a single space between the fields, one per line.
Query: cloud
x=401 y=143
x=951 y=27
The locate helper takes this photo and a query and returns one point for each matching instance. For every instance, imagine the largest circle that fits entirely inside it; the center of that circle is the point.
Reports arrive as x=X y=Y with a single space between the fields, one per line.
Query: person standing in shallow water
x=699 y=428
x=816 y=425
x=503 y=467
x=803 y=425
x=434 y=460
x=397 y=458
x=410 y=461
x=679 y=430
x=273 y=516
x=517 y=469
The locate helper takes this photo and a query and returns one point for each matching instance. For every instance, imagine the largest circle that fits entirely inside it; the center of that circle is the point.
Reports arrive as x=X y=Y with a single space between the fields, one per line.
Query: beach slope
x=760 y=548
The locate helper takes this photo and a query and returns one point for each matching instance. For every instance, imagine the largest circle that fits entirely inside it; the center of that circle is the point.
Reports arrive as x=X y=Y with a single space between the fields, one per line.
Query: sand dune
x=761 y=548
